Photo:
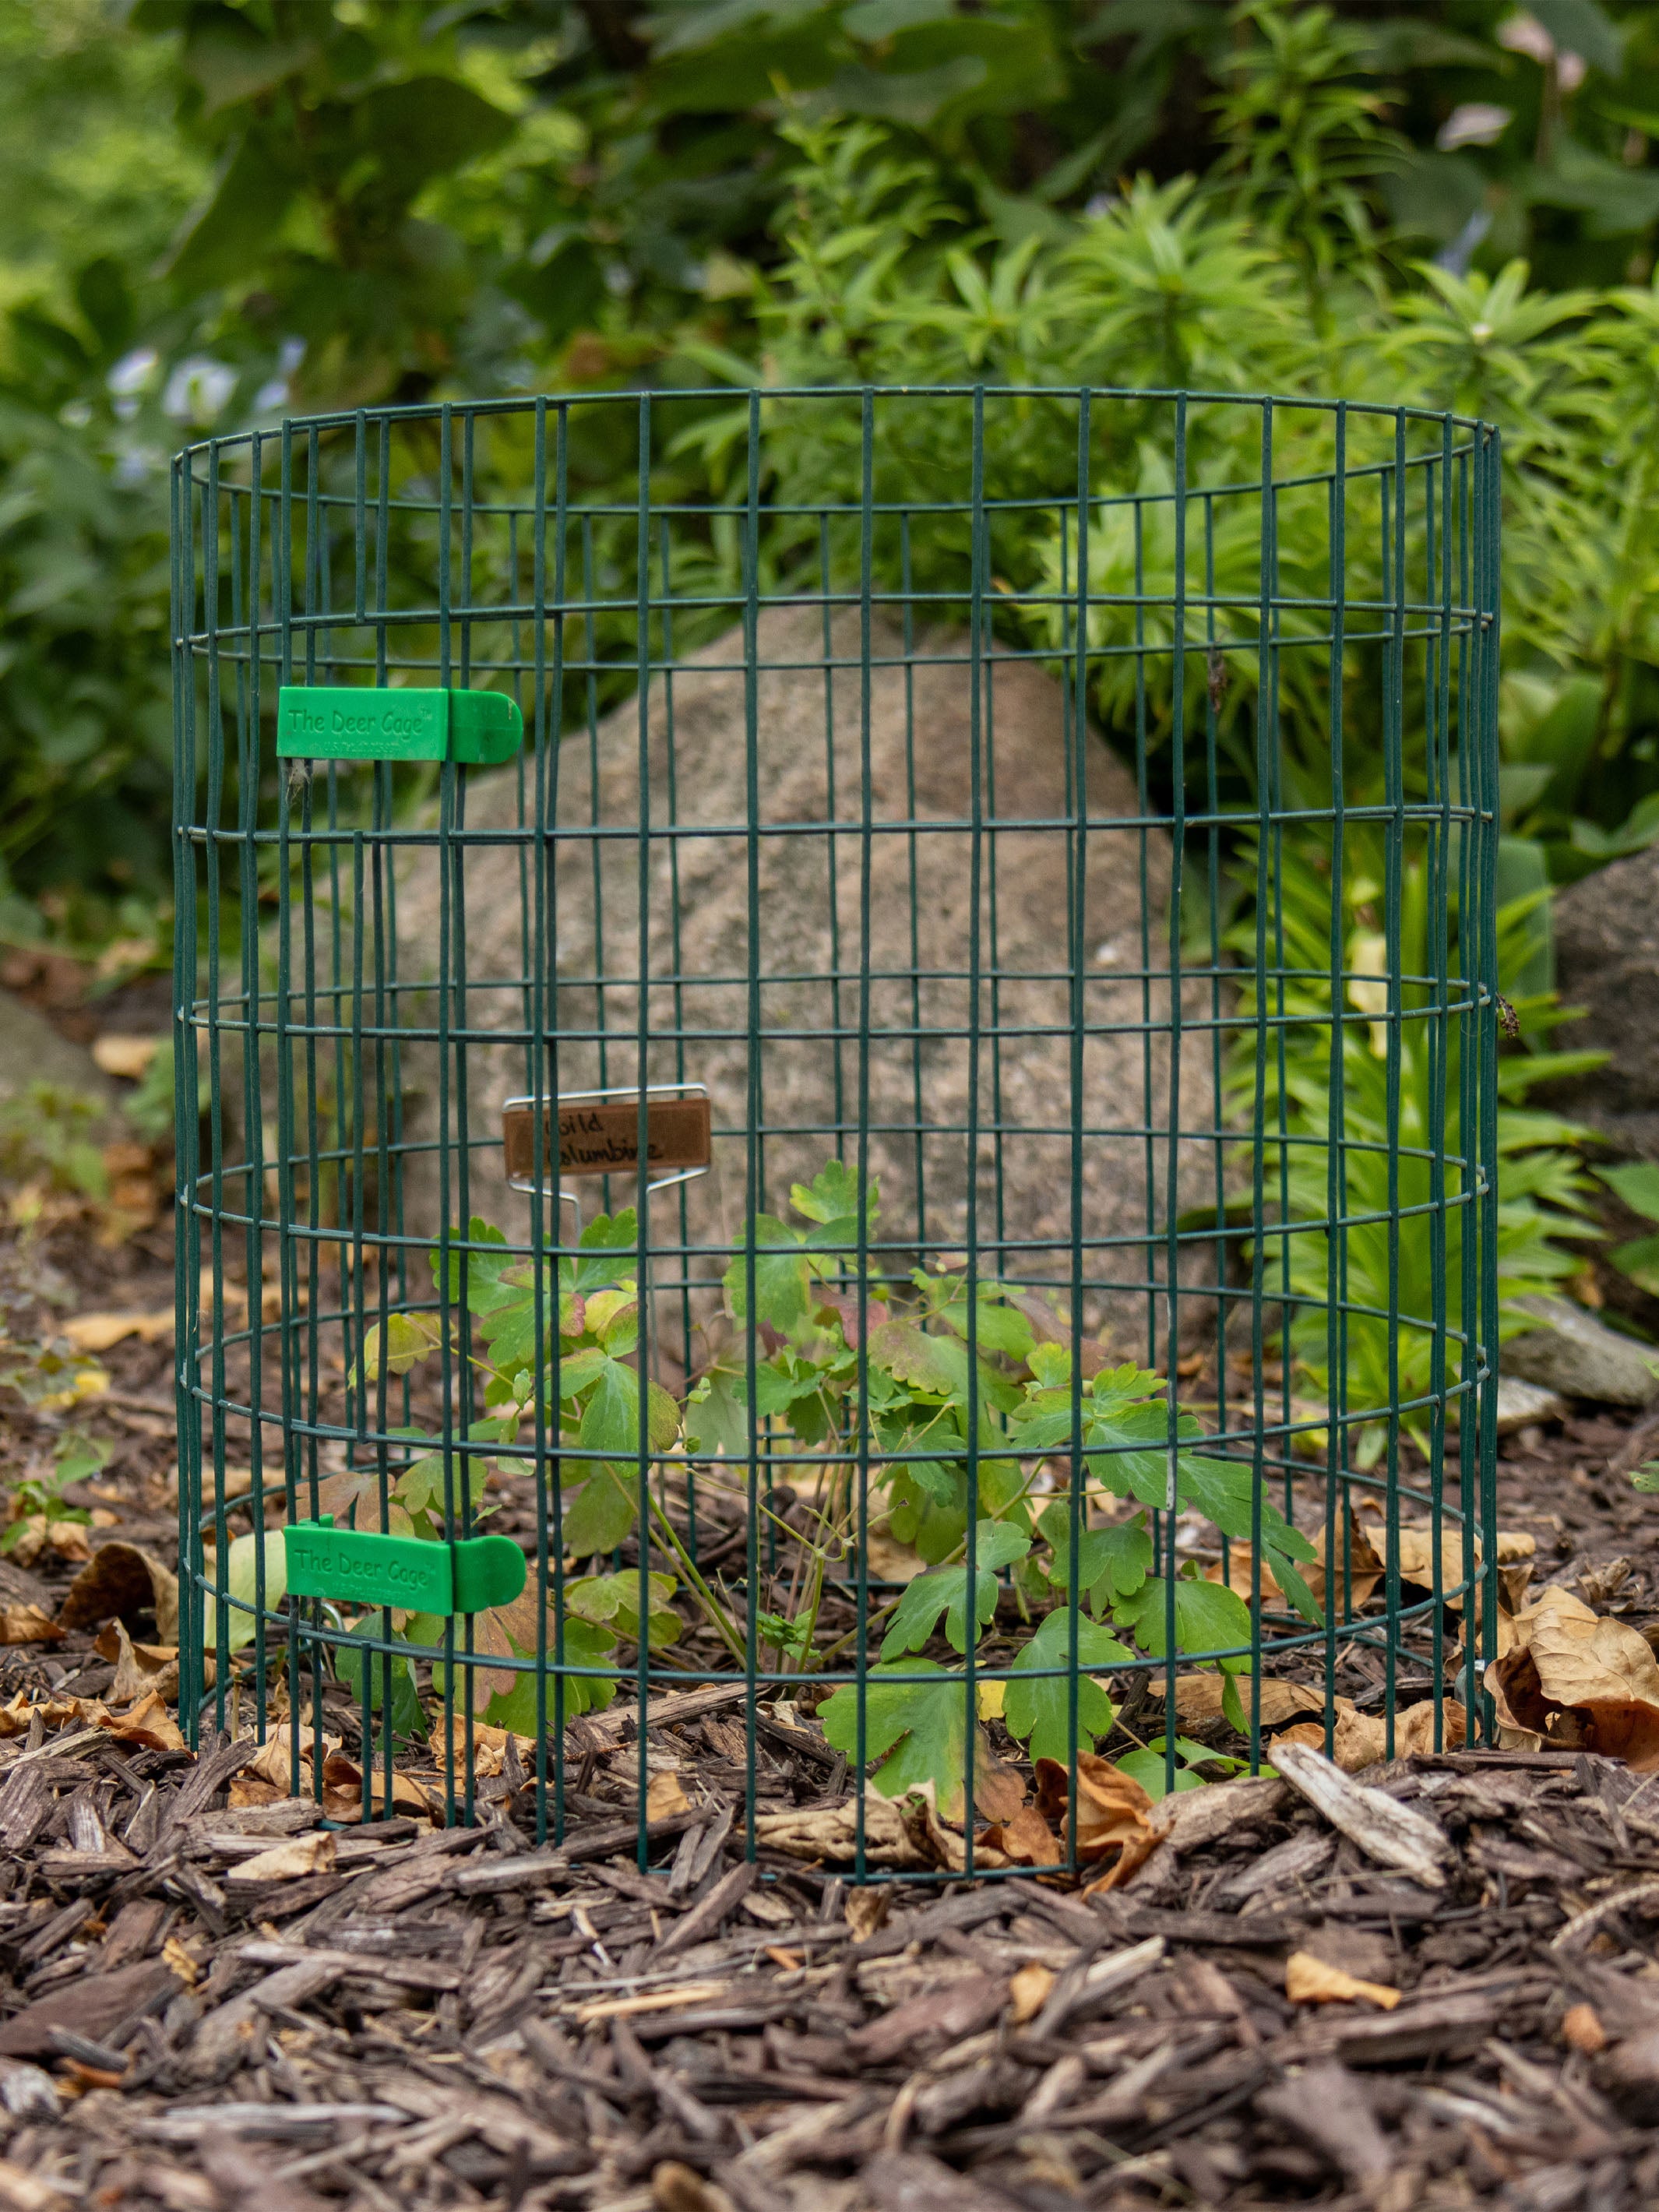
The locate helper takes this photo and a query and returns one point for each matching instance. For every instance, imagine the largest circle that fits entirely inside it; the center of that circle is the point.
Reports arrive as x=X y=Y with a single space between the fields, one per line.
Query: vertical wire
x=1264 y=851
x=214 y=835
x=752 y=1131
x=867 y=559
x=978 y=614
x=1470 y=582
x=642 y=1139
x=1439 y=1029
x=1490 y=513
x=831 y=843
x=186 y=1090
x=1077 y=775
x=550 y=1539
x=450 y=1265
x=1336 y=1434
x=1394 y=482
x=1172 y=1166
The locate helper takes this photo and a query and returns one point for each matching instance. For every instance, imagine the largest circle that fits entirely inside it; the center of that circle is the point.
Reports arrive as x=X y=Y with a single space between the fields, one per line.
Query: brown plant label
x=601 y=1136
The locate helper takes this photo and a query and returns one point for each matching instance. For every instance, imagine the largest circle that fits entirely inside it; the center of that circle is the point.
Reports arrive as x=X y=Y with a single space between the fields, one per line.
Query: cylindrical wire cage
x=921 y=1154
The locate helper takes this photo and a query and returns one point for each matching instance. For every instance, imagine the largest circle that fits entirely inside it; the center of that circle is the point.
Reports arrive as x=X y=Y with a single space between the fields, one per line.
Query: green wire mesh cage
x=840 y=1108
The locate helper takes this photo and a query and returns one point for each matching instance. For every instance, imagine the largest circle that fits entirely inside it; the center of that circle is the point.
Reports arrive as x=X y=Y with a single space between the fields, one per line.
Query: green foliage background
x=217 y=210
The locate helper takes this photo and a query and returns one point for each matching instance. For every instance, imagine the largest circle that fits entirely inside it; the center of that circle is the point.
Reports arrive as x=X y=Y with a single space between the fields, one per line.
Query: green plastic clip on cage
x=842 y=1128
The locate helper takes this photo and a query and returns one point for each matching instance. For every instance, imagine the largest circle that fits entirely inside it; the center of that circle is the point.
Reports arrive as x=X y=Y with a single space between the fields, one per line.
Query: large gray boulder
x=32 y=1051
x=1570 y=1353
x=1607 y=956
x=813 y=954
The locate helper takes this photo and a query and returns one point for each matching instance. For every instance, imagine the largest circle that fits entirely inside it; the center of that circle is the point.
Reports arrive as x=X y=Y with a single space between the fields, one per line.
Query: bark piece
x=927 y=2023
x=1327 y=2109
x=94 y=2005
x=705 y=1916
x=1389 y=1833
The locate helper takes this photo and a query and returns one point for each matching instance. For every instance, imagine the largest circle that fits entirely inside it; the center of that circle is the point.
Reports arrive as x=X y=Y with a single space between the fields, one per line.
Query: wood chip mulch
x=437 y=2018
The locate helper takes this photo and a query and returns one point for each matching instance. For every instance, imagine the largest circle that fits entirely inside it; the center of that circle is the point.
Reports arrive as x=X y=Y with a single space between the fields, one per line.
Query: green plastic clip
x=348 y=722
x=416 y=1576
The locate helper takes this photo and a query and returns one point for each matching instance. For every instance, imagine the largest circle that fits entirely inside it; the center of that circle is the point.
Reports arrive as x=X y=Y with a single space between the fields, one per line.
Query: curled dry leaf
x=140 y=1668
x=120 y=1582
x=1359 y=1740
x=665 y=1794
x=1515 y=1551
x=1574 y=1679
x=865 y=1909
x=286 y=1861
x=1308 y=1980
x=999 y=1792
x=343 y=1792
x=97 y=1332
x=26 y=1624
x=1025 y=1840
x=147 y=1723
x=120 y=1052
x=272 y=1764
x=1114 y=1814
x=828 y=1833
x=1197 y=1698
x=489 y=1750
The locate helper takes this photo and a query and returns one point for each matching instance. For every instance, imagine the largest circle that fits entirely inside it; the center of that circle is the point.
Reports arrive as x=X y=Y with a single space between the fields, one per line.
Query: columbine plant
x=1001 y=1430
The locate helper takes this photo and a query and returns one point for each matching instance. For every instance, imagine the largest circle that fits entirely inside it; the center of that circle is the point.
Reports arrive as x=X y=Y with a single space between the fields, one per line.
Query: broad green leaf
x=241 y=1582
x=945 y=1591
x=585 y=1645
x=1036 y=1712
x=833 y=1195
x=1639 y=1261
x=614 y=1601
x=919 y=1729
x=716 y=1417
x=1112 y=1563
x=1637 y=1184
x=1147 y=1766
x=407 y=1339
x=780 y=1276
x=937 y=1365
x=608 y=1244
x=1208 y=1617
x=599 y=1515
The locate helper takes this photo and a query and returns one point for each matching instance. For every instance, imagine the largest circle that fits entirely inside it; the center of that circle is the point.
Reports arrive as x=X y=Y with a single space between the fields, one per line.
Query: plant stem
x=718 y=1617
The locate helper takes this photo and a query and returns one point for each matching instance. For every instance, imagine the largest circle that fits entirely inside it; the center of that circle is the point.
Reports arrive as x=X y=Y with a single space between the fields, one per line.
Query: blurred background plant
x=215 y=211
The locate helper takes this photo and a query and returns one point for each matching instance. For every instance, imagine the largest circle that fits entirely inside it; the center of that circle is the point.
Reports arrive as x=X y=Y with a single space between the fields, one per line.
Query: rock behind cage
x=810 y=713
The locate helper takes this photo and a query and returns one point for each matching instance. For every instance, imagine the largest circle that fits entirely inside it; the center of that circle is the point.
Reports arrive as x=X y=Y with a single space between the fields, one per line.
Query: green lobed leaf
x=918 y=1729
x=945 y=1591
x=1037 y=1712
x=1208 y=1617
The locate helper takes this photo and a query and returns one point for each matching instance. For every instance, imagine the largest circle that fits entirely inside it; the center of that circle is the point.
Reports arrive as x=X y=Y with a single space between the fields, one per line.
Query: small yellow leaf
x=175 y=1955
x=1308 y=1980
x=990 y=1698
x=1028 y=1992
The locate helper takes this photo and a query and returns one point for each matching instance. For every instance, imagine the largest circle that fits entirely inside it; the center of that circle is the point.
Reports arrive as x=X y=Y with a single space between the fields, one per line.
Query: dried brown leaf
x=1025 y=1840
x=1576 y=1679
x=1113 y=1813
